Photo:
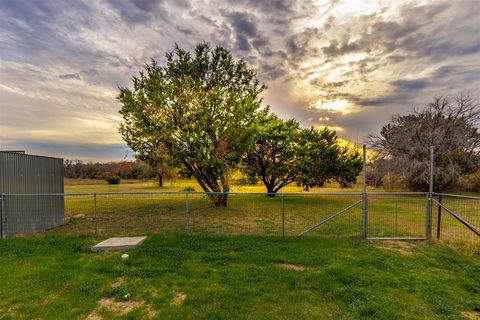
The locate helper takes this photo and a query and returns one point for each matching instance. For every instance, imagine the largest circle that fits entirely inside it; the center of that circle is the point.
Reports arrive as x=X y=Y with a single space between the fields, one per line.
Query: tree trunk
x=271 y=191
x=217 y=196
x=210 y=186
x=160 y=179
x=219 y=200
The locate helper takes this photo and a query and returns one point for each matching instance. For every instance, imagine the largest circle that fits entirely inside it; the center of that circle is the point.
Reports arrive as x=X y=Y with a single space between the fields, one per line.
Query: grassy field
x=232 y=263
x=92 y=185
x=132 y=214
x=237 y=277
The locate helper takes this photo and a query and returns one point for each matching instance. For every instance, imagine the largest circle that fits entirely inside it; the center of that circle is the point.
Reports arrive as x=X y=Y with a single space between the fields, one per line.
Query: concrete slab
x=122 y=243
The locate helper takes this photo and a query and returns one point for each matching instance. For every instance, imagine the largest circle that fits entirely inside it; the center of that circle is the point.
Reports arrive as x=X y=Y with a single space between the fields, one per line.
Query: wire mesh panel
x=244 y=214
x=447 y=227
x=137 y=214
x=304 y=211
x=79 y=216
x=396 y=215
x=390 y=215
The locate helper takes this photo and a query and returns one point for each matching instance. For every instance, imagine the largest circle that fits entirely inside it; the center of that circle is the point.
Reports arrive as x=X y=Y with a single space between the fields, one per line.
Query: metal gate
x=392 y=215
x=457 y=217
x=397 y=216
x=385 y=215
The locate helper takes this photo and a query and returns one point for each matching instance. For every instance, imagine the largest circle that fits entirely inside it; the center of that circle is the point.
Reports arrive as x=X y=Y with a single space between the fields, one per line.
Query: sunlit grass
x=256 y=214
x=91 y=185
x=232 y=263
x=237 y=277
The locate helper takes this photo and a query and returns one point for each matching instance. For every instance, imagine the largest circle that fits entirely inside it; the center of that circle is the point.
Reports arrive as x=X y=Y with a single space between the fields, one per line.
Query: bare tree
x=450 y=124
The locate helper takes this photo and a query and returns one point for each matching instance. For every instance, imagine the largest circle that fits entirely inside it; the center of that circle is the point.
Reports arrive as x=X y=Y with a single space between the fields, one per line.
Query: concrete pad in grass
x=122 y=243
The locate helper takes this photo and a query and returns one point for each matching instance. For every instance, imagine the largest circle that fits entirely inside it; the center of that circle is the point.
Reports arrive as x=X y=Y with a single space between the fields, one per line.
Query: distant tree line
x=77 y=169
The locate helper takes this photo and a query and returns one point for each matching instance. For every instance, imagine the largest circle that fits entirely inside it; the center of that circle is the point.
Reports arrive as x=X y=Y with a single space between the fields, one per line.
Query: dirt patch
x=401 y=247
x=151 y=313
x=289 y=266
x=51 y=298
x=80 y=216
x=154 y=292
x=94 y=315
x=118 y=282
x=472 y=315
x=121 y=307
x=179 y=299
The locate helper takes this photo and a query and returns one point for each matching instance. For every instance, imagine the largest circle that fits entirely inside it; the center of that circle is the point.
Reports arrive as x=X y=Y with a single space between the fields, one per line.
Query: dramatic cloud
x=70 y=76
x=344 y=64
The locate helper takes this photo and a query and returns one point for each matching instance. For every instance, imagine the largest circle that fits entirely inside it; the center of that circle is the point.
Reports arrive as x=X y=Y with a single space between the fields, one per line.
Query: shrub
x=392 y=182
x=113 y=179
x=189 y=189
x=245 y=180
x=475 y=181
x=469 y=182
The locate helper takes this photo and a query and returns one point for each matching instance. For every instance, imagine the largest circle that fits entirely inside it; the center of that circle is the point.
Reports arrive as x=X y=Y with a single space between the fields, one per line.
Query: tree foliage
x=273 y=156
x=448 y=124
x=148 y=149
x=283 y=153
x=348 y=166
x=201 y=108
x=322 y=158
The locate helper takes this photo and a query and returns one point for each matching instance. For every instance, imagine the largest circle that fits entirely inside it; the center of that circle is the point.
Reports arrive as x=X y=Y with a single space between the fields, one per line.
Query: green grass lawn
x=237 y=277
x=258 y=215
x=234 y=264
x=93 y=185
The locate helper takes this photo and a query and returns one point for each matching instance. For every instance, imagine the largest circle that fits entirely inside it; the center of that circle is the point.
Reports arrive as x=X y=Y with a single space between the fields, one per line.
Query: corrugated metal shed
x=23 y=178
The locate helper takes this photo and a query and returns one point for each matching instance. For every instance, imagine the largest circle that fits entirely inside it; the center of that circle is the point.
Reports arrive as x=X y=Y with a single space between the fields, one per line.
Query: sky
x=349 y=65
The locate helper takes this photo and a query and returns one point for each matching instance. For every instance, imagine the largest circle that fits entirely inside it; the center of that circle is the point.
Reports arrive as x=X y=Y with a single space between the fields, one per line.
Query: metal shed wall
x=23 y=178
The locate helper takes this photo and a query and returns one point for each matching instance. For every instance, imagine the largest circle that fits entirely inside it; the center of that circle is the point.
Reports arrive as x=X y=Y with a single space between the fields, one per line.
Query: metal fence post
x=187 y=212
x=364 y=194
x=3 y=214
x=95 y=218
x=428 y=218
x=439 y=218
x=283 y=216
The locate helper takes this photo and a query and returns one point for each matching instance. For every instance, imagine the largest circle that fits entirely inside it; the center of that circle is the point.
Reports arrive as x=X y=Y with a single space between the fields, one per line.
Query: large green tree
x=147 y=146
x=450 y=125
x=273 y=156
x=283 y=153
x=349 y=165
x=322 y=157
x=201 y=107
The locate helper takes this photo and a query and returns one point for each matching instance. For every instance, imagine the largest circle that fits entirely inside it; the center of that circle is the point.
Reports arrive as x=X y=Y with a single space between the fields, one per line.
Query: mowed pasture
x=133 y=208
x=233 y=263
x=180 y=276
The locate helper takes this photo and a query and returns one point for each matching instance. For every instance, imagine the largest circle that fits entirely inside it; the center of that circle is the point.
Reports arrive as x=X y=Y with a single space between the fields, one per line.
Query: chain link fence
x=400 y=215
x=125 y=214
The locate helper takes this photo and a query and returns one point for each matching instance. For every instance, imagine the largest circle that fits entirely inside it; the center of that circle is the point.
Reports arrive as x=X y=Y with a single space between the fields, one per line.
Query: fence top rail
x=235 y=193
x=397 y=193
x=181 y=193
x=457 y=196
x=346 y=193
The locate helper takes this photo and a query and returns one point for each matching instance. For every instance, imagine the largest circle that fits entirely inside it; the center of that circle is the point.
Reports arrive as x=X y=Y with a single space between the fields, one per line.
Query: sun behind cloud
x=334 y=106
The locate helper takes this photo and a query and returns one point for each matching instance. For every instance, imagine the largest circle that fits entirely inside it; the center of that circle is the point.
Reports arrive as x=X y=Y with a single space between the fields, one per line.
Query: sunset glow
x=333 y=106
x=354 y=63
